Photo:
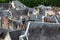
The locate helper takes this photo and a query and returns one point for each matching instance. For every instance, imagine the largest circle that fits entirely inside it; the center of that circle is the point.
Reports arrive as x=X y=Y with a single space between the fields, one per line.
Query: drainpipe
x=25 y=35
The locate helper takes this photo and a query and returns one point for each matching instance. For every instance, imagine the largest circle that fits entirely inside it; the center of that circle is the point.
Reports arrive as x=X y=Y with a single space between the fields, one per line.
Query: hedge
x=33 y=3
x=5 y=1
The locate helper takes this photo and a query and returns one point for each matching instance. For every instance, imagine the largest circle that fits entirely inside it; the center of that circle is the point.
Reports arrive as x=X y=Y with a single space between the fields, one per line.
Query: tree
x=5 y=1
x=33 y=3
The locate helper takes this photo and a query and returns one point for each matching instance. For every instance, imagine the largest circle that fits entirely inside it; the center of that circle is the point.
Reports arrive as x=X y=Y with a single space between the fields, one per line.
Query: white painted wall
x=7 y=37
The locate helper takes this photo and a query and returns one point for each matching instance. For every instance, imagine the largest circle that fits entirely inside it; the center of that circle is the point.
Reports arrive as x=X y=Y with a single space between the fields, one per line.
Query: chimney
x=20 y=26
x=6 y=22
x=46 y=20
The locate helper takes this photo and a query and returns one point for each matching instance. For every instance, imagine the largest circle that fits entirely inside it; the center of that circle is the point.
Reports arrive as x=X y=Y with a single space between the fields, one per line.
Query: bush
x=5 y=1
x=33 y=3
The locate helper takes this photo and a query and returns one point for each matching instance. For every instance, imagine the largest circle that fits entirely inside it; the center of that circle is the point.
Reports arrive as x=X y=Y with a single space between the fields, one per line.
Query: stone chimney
x=6 y=22
x=46 y=20
x=21 y=26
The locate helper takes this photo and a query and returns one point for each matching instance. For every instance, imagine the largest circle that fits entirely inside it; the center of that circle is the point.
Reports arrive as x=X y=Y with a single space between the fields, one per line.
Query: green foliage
x=5 y=1
x=32 y=3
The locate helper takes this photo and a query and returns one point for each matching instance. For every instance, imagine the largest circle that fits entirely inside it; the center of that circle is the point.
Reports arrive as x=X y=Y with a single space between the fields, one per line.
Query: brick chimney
x=6 y=22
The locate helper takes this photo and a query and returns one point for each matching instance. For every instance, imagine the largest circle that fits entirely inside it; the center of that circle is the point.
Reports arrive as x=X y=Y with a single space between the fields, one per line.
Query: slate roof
x=18 y=4
x=18 y=13
x=15 y=34
x=5 y=5
x=1 y=14
x=3 y=32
